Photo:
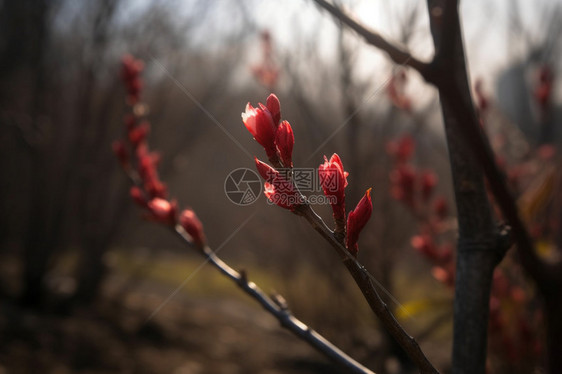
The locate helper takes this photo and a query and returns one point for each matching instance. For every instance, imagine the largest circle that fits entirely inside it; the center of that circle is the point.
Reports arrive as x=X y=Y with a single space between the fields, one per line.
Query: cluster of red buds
x=396 y=90
x=409 y=185
x=333 y=179
x=276 y=137
x=131 y=69
x=140 y=163
x=414 y=190
x=510 y=324
x=526 y=175
x=266 y=72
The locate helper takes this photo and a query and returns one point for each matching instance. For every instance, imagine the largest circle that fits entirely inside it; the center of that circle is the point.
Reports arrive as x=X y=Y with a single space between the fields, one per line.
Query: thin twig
x=547 y=276
x=280 y=312
x=363 y=280
x=537 y=268
x=397 y=55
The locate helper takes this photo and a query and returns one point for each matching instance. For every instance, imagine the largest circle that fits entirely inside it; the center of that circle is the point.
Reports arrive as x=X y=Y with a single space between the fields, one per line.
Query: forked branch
x=149 y=192
x=397 y=55
x=447 y=72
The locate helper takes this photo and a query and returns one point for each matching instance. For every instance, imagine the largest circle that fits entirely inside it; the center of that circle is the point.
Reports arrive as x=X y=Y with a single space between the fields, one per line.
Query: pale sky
x=485 y=26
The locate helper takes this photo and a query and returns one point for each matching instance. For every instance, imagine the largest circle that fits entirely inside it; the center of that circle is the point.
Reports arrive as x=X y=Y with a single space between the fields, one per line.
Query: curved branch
x=363 y=279
x=277 y=309
x=273 y=305
x=460 y=118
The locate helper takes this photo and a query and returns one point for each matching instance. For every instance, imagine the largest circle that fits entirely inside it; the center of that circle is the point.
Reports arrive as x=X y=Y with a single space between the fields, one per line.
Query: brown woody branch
x=538 y=269
x=448 y=73
x=364 y=281
x=397 y=55
x=271 y=304
x=277 y=309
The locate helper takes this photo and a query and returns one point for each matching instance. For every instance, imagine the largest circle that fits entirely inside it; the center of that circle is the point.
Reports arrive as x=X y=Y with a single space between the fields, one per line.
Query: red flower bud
x=156 y=158
x=192 y=225
x=404 y=148
x=396 y=91
x=141 y=150
x=282 y=193
x=260 y=124
x=130 y=74
x=440 y=207
x=147 y=169
x=138 y=197
x=155 y=188
x=137 y=135
x=428 y=183
x=272 y=103
x=424 y=244
x=443 y=275
x=266 y=171
x=285 y=140
x=163 y=211
x=130 y=67
x=277 y=189
x=149 y=175
x=403 y=178
x=356 y=221
x=333 y=179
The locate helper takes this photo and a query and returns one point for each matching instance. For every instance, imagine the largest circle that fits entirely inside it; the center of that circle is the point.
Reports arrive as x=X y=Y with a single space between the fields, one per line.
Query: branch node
x=243 y=276
x=280 y=301
x=505 y=240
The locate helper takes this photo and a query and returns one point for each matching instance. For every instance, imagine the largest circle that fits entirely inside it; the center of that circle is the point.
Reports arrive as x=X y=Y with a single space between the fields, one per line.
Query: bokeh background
x=81 y=270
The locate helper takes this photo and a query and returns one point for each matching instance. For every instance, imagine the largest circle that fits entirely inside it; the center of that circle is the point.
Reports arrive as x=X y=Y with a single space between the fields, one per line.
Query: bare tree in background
x=60 y=145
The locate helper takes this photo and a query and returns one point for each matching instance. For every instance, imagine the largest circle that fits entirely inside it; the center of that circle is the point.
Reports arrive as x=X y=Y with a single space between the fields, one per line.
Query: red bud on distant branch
x=191 y=224
x=138 y=197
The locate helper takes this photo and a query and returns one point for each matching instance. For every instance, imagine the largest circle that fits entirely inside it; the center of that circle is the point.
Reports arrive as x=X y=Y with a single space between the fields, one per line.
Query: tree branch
x=448 y=73
x=396 y=54
x=280 y=312
x=363 y=279
x=462 y=112
x=444 y=14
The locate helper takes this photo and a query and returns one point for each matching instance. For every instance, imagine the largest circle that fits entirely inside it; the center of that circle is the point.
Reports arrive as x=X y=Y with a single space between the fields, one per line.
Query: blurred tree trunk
x=477 y=248
x=25 y=38
x=93 y=195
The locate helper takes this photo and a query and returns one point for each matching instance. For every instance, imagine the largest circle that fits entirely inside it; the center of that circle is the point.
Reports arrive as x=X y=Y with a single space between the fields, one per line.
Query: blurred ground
x=208 y=327
x=190 y=335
